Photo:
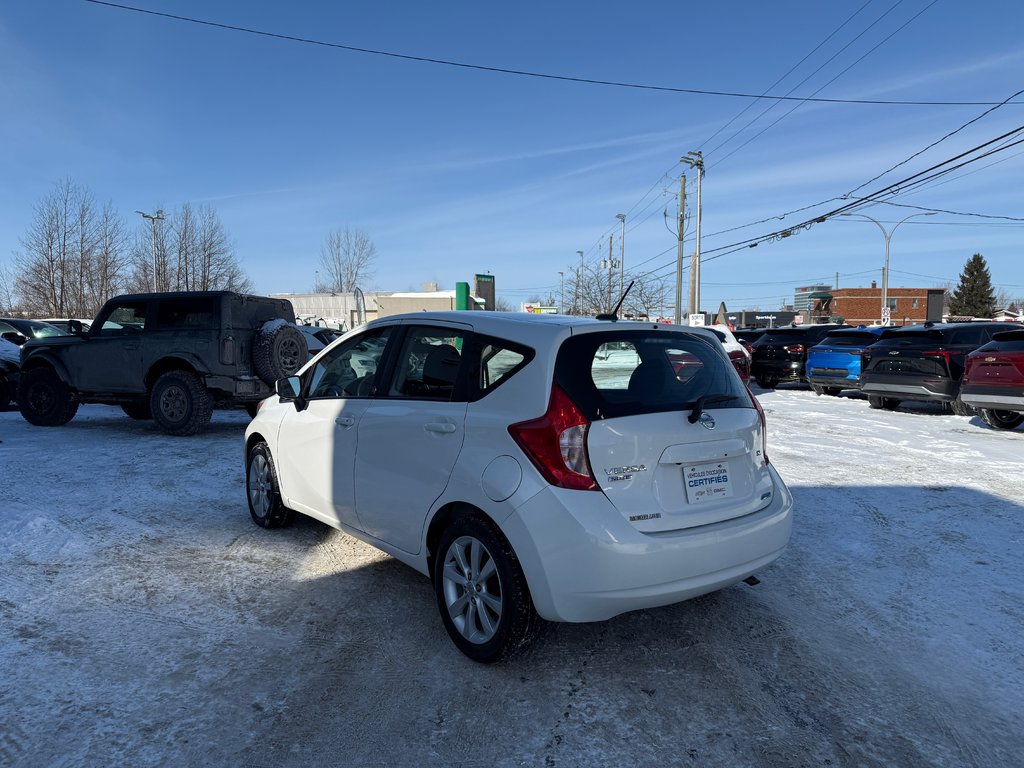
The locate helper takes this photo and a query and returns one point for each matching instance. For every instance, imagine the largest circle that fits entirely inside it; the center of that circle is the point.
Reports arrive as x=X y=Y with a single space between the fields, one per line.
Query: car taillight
x=940 y=353
x=794 y=348
x=764 y=426
x=556 y=443
x=741 y=362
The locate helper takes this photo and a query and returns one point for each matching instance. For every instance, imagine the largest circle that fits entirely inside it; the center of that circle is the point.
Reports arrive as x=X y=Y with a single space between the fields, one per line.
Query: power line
x=952 y=213
x=851 y=66
x=539 y=75
x=791 y=70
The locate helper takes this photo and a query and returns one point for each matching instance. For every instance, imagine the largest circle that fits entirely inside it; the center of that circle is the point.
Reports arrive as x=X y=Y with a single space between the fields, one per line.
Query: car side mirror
x=14 y=337
x=75 y=327
x=290 y=388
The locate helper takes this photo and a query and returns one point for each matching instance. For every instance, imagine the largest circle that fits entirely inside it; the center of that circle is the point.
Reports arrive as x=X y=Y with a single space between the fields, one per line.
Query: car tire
x=279 y=351
x=888 y=403
x=832 y=391
x=139 y=410
x=767 y=380
x=262 y=491
x=44 y=399
x=1002 y=419
x=180 y=404
x=488 y=619
x=960 y=408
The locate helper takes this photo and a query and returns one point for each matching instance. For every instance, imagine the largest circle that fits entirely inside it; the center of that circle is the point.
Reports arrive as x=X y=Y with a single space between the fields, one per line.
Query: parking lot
x=144 y=620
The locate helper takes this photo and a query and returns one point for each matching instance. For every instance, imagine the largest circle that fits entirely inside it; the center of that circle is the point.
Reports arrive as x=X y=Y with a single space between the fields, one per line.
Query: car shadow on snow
x=795 y=670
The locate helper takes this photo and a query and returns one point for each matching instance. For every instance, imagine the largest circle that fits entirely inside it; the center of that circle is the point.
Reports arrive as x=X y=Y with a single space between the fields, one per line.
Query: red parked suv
x=993 y=380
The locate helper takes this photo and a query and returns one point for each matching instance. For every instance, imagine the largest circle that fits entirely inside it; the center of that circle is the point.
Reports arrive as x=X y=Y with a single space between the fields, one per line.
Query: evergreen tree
x=974 y=297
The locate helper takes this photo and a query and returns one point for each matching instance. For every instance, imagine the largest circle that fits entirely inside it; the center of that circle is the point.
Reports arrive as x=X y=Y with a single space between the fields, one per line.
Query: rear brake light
x=794 y=348
x=741 y=362
x=764 y=426
x=943 y=353
x=556 y=443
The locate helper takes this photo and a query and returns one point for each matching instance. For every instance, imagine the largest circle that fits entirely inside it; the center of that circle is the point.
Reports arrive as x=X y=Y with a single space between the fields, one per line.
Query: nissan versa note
x=534 y=467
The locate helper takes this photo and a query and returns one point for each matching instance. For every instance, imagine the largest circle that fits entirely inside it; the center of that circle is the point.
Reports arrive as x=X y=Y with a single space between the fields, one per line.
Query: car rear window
x=782 y=336
x=850 y=339
x=623 y=373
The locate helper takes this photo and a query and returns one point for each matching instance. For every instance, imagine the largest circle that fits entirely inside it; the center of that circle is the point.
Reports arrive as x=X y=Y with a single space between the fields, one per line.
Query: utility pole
x=696 y=160
x=561 y=293
x=622 y=252
x=678 y=317
x=579 y=282
x=153 y=218
x=611 y=269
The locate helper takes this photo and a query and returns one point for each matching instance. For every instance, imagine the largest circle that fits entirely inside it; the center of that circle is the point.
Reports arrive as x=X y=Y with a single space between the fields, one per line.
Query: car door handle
x=344 y=421
x=442 y=427
x=130 y=346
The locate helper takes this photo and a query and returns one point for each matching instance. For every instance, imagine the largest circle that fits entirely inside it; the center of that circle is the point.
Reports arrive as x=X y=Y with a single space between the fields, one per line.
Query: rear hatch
x=780 y=344
x=999 y=363
x=914 y=353
x=838 y=354
x=675 y=439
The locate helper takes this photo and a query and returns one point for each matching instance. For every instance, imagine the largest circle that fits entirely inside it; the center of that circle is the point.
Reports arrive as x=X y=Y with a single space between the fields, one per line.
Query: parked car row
x=967 y=368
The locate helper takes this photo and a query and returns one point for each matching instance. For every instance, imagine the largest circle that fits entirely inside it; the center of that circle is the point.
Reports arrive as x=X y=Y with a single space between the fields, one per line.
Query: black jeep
x=167 y=356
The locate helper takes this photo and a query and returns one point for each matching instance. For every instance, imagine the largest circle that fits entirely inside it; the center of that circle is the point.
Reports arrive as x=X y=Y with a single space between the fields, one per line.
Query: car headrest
x=441 y=366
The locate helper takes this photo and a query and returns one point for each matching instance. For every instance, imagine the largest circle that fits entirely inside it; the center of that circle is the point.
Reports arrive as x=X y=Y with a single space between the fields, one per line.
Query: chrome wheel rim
x=472 y=589
x=260 y=485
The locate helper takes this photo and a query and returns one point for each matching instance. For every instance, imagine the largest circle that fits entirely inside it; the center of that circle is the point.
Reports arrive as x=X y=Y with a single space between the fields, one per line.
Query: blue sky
x=454 y=171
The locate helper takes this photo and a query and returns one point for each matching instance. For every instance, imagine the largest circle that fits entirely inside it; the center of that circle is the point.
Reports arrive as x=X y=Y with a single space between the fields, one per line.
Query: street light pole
x=888 y=236
x=622 y=252
x=579 y=282
x=153 y=218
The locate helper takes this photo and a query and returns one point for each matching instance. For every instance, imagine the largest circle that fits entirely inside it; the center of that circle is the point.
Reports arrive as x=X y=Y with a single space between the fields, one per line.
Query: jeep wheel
x=45 y=400
x=140 y=411
x=279 y=351
x=180 y=404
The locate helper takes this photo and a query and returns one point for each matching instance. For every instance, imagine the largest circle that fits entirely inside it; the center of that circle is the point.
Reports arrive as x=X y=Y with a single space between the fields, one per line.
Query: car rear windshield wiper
x=698 y=407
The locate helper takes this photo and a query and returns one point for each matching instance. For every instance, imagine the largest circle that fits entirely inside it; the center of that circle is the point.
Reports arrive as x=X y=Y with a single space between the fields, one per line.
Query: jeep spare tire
x=279 y=350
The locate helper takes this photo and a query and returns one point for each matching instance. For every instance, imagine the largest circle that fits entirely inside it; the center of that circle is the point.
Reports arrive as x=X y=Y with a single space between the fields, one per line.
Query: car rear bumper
x=834 y=381
x=906 y=388
x=585 y=562
x=994 y=398
x=784 y=370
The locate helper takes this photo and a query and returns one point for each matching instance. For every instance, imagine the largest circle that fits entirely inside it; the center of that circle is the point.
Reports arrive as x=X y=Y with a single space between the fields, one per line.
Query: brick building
x=859 y=306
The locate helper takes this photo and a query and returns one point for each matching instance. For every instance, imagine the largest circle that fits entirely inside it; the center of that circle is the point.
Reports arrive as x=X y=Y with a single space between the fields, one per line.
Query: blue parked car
x=834 y=363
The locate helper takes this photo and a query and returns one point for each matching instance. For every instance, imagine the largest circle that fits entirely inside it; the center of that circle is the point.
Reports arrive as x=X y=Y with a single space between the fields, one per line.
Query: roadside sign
x=886 y=315
x=697 y=319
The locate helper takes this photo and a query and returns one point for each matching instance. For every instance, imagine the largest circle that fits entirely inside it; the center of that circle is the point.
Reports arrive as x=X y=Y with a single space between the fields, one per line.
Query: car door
x=111 y=358
x=317 y=443
x=411 y=435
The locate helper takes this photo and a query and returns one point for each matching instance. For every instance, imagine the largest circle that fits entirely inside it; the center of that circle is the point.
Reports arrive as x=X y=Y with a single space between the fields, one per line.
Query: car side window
x=428 y=364
x=969 y=336
x=494 y=361
x=199 y=313
x=124 y=319
x=350 y=369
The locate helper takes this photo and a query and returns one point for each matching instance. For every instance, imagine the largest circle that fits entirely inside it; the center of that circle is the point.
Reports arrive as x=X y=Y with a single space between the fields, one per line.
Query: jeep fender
x=176 y=362
x=44 y=359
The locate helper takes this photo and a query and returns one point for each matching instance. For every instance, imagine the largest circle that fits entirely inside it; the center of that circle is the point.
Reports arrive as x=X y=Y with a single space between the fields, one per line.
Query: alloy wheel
x=472 y=589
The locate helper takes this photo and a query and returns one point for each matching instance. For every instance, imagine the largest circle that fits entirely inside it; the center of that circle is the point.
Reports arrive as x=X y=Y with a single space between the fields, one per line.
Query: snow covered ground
x=145 y=621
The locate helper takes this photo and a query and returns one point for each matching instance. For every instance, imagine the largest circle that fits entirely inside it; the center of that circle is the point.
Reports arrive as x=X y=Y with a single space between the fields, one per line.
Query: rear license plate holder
x=707 y=482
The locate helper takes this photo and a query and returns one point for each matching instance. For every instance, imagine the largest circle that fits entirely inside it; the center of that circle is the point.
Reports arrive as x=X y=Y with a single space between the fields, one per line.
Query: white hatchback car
x=534 y=467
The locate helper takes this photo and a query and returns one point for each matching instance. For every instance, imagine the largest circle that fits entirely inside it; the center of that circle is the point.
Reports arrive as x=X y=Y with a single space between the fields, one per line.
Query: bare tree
x=347 y=258
x=74 y=254
x=190 y=251
x=647 y=297
x=7 y=300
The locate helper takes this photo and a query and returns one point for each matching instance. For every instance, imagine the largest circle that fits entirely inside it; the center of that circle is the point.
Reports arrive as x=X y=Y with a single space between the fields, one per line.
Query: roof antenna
x=614 y=314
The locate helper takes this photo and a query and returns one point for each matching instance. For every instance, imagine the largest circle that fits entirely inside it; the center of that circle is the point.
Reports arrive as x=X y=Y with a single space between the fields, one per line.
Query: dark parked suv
x=923 y=362
x=781 y=353
x=167 y=356
x=993 y=380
